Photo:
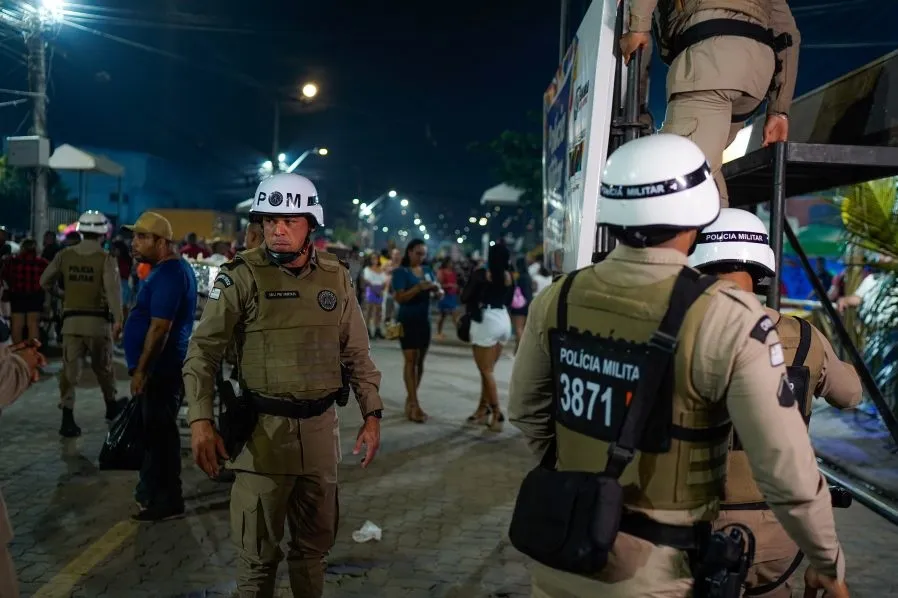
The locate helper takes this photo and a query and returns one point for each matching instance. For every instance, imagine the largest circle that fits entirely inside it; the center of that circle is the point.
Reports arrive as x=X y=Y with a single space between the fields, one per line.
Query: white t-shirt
x=375 y=279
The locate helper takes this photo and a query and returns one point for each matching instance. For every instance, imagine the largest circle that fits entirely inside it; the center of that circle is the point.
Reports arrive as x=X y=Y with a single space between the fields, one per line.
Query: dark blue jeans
x=159 y=484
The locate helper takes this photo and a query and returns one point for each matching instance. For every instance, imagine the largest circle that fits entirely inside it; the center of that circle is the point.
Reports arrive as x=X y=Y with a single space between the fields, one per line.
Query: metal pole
x=275 y=140
x=777 y=221
x=631 y=102
x=866 y=377
x=37 y=79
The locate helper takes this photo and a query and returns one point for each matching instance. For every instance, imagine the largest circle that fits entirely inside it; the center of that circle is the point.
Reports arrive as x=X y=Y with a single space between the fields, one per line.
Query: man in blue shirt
x=155 y=340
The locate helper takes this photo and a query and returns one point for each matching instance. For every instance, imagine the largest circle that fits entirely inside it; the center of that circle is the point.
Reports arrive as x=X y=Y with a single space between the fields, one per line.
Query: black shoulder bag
x=568 y=520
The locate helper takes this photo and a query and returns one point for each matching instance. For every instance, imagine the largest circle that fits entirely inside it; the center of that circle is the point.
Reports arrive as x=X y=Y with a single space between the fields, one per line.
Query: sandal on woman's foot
x=479 y=416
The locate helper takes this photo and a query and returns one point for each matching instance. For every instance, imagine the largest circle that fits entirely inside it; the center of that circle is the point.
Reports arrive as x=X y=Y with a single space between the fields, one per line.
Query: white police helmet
x=658 y=180
x=287 y=194
x=93 y=222
x=737 y=237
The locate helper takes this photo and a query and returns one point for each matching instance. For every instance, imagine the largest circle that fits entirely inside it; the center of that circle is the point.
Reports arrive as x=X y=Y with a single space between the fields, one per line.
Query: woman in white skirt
x=487 y=297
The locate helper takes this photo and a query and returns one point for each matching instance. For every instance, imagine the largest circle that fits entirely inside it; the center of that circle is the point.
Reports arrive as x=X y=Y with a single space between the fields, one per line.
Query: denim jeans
x=159 y=484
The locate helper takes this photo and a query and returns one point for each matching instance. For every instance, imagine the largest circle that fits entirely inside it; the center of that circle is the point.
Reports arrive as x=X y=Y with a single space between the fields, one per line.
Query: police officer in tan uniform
x=18 y=369
x=577 y=371
x=293 y=312
x=735 y=247
x=725 y=57
x=88 y=279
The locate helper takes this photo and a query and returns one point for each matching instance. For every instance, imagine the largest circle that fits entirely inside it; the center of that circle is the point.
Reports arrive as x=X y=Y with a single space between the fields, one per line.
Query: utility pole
x=37 y=81
x=276 y=141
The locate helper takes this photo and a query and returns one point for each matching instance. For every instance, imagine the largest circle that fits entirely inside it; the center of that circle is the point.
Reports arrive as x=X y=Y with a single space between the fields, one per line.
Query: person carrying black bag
x=628 y=380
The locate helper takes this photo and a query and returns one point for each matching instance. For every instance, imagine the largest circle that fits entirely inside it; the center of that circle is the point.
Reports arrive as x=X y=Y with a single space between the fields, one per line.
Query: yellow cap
x=153 y=224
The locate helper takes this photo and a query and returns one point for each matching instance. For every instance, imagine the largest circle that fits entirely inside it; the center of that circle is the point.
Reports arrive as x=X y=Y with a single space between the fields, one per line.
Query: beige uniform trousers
x=9 y=585
x=712 y=81
x=774 y=550
x=74 y=349
x=261 y=505
x=636 y=569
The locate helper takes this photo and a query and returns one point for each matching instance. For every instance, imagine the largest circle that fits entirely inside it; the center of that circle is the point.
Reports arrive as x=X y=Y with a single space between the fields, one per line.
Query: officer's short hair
x=649 y=236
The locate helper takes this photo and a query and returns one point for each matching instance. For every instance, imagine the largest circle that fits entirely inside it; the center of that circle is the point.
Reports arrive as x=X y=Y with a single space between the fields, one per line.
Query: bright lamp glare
x=309 y=90
x=404 y=203
x=322 y=151
x=392 y=193
x=282 y=157
x=460 y=240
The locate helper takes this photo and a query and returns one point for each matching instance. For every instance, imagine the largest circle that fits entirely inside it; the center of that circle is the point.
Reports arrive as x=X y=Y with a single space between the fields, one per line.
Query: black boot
x=113 y=408
x=69 y=428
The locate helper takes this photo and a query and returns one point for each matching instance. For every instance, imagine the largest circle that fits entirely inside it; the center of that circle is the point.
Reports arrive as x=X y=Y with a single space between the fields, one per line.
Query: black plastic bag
x=124 y=446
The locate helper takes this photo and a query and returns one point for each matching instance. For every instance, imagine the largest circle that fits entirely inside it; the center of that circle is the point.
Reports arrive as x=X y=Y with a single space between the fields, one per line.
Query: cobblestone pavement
x=442 y=492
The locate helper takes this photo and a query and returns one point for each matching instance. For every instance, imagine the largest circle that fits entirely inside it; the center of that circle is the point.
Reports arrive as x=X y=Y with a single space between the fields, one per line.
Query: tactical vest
x=82 y=278
x=291 y=346
x=681 y=461
x=804 y=359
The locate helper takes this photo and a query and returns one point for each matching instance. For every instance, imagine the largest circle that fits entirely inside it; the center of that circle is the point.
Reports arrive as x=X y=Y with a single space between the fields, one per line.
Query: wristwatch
x=378 y=413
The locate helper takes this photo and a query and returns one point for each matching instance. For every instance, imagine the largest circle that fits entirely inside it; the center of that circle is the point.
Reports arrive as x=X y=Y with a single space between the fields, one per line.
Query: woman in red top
x=22 y=275
x=448 y=305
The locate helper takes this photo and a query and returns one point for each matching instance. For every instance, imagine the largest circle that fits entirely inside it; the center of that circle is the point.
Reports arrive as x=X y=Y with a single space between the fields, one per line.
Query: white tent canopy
x=501 y=194
x=244 y=206
x=69 y=157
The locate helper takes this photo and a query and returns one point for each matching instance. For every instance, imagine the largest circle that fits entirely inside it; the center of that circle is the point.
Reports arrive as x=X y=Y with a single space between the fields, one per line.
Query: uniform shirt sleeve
x=112 y=285
x=641 y=16
x=733 y=350
x=223 y=311
x=355 y=352
x=530 y=394
x=15 y=377
x=839 y=383
x=779 y=100
x=51 y=274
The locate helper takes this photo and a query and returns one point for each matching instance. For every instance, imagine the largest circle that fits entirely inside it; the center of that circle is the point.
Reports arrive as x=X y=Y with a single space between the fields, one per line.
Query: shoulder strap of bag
x=549 y=457
x=688 y=287
x=804 y=342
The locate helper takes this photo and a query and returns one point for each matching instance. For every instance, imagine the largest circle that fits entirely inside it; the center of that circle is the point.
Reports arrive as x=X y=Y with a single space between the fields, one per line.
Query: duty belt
x=718 y=27
x=691 y=538
x=292 y=409
x=91 y=313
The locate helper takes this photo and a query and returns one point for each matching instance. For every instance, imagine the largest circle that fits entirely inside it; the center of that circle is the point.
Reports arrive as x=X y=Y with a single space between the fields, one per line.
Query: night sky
x=405 y=86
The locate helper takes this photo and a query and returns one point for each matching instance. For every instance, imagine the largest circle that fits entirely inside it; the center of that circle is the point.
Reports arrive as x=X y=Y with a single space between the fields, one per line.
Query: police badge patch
x=327 y=300
x=762 y=329
x=224 y=279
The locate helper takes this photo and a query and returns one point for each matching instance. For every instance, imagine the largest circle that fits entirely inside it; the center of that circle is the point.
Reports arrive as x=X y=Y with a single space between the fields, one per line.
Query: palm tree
x=870 y=215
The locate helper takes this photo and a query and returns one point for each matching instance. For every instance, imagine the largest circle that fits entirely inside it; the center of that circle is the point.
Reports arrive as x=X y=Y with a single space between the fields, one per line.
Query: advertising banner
x=577 y=119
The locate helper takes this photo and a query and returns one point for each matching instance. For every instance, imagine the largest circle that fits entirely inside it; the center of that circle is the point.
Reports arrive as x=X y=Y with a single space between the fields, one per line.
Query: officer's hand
x=116 y=331
x=814 y=582
x=207 y=447
x=776 y=129
x=28 y=351
x=631 y=42
x=369 y=435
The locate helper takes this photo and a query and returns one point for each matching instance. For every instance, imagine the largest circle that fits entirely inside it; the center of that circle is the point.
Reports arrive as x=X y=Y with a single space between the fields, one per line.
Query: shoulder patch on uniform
x=784 y=393
x=762 y=329
x=230 y=265
x=224 y=279
x=777 y=357
x=214 y=294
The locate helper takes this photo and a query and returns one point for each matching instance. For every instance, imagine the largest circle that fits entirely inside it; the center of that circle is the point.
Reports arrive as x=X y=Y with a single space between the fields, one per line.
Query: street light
x=309 y=90
x=417 y=221
x=392 y=194
x=52 y=10
x=426 y=237
x=482 y=222
x=422 y=228
x=403 y=203
x=322 y=151
x=460 y=240
x=355 y=201
x=472 y=219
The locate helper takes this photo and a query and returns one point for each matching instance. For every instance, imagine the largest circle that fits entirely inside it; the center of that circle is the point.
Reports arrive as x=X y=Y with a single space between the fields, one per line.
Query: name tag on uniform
x=595 y=380
x=282 y=294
